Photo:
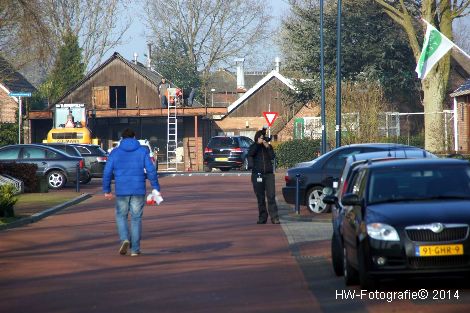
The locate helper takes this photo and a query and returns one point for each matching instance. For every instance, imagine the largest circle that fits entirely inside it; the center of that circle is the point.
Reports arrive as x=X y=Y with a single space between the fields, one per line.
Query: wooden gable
x=115 y=84
x=269 y=97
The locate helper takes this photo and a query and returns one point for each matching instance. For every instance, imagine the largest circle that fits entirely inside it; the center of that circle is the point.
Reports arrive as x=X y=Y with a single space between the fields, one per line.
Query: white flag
x=435 y=46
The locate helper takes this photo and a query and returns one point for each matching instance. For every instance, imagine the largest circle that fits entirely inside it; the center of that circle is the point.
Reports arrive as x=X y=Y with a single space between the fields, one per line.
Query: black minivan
x=227 y=152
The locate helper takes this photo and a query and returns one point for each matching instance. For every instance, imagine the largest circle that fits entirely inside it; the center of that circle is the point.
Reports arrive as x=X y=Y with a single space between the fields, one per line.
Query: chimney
x=277 y=61
x=149 y=55
x=240 y=74
x=135 y=57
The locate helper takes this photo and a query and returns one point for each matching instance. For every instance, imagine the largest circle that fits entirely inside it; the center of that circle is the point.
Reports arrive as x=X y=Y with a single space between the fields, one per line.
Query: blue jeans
x=134 y=204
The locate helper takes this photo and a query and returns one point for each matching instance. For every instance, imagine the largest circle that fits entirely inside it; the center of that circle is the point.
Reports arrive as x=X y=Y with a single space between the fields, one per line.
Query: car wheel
x=225 y=169
x=351 y=276
x=337 y=255
x=86 y=180
x=207 y=169
x=315 y=200
x=365 y=280
x=56 y=179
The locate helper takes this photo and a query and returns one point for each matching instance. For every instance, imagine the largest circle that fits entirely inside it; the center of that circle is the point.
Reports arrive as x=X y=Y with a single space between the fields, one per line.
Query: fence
x=406 y=128
x=6 y=179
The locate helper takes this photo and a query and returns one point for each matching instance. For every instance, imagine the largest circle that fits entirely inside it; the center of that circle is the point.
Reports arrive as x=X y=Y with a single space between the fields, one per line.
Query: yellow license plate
x=221 y=159
x=439 y=250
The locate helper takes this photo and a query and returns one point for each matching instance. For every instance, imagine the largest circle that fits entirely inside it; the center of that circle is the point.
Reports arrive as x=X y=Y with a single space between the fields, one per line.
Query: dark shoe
x=261 y=222
x=137 y=253
x=124 y=246
x=275 y=221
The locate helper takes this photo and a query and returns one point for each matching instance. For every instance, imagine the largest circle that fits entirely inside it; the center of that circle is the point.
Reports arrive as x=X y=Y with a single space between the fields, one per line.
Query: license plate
x=221 y=159
x=439 y=250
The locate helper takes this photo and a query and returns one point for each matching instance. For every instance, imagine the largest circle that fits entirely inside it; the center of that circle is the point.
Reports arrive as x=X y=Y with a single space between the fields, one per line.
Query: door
x=100 y=97
x=353 y=216
x=39 y=156
x=333 y=167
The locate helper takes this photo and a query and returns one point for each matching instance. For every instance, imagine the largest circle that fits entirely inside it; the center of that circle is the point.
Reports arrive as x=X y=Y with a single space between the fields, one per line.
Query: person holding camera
x=262 y=177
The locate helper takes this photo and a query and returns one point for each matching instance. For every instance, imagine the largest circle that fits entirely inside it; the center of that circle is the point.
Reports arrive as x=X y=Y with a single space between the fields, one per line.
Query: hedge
x=22 y=171
x=289 y=153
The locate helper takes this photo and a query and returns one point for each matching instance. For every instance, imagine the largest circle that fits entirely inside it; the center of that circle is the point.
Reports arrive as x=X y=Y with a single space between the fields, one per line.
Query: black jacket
x=262 y=158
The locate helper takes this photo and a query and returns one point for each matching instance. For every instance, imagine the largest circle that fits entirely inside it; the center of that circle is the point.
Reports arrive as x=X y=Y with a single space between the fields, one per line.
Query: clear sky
x=135 y=41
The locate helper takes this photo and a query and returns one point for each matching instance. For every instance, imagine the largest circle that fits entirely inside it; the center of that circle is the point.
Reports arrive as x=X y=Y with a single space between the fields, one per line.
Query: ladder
x=172 y=131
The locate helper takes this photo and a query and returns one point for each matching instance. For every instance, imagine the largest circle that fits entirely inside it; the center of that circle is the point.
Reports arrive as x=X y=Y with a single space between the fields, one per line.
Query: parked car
x=333 y=196
x=95 y=158
x=406 y=218
x=73 y=151
x=322 y=171
x=227 y=152
x=58 y=166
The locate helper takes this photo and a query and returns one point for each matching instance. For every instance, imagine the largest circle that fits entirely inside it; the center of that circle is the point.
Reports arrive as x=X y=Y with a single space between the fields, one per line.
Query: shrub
x=289 y=153
x=25 y=172
x=7 y=200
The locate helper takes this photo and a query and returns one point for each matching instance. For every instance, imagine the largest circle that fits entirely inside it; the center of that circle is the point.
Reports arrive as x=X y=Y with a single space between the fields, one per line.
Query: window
x=71 y=135
x=9 y=154
x=117 y=97
x=83 y=150
x=33 y=153
x=336 y=162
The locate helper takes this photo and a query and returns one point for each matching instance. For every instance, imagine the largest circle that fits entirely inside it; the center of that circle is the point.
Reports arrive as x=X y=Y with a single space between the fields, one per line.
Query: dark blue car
x=323 y=171
x=349 y=172
x=406 y=217
x=227 y=152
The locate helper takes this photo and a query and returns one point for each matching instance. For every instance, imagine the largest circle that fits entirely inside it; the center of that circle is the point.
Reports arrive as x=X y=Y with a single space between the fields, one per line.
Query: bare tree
x=23 y=29
x=362 y=104
x=99 y=24
x=212 y=31
x=461 y=34
x=440 y=13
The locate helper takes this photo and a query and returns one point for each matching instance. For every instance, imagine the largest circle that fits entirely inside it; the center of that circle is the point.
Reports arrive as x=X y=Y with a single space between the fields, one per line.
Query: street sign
x=20 y=94
x=270 y=117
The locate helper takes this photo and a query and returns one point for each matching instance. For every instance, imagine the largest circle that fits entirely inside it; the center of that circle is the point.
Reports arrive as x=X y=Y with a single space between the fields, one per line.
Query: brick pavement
x=202 y=252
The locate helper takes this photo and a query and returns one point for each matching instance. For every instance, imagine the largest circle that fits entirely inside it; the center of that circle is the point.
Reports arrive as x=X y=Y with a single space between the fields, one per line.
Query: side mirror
x=330 y=199
x=327 y=191
x=351 y=199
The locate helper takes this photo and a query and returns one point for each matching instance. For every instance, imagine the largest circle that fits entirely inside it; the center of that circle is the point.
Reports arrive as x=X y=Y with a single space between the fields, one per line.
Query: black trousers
x=263 y=190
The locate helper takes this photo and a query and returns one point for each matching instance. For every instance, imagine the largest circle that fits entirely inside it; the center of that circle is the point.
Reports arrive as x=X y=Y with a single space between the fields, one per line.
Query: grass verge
x=31 y=203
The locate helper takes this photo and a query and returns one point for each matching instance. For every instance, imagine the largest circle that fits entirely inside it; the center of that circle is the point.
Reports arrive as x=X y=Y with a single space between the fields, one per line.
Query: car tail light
x=207 y=150
x=102 y=159
x=82 y=164
x=236 y=149
x=287 y=178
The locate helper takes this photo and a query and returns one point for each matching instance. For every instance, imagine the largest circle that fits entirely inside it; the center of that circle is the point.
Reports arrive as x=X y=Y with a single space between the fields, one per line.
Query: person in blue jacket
x=131 y=165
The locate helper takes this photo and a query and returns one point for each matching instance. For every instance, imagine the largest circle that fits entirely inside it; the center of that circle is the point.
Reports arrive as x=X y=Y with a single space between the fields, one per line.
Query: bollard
x=77 y=187
x=297 y=192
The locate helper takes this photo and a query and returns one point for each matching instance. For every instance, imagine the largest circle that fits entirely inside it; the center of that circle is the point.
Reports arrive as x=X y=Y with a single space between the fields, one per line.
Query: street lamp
x=338 y=77
x=212 y=92
x=322 y=78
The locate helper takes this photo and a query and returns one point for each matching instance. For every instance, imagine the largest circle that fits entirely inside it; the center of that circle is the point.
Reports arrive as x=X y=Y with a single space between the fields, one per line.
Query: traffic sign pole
x=19 y=119
x=19 y=94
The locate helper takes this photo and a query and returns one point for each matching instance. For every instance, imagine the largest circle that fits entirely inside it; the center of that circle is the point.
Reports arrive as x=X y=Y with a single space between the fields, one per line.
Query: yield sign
x=270 y=117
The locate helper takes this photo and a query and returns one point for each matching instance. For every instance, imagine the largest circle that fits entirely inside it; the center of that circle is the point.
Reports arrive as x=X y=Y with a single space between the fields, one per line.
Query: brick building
x=11 y=81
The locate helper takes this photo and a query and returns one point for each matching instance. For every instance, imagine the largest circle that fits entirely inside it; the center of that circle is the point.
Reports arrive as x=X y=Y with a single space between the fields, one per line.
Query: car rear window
x=222 y=142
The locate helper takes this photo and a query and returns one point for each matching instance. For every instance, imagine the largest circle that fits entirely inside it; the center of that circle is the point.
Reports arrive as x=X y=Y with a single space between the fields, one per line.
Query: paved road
x=202 y=252
x=198 y=256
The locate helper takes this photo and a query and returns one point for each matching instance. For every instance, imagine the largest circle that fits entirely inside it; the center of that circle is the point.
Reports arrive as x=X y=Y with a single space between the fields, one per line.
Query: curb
x=39 y=216
x=188 y=174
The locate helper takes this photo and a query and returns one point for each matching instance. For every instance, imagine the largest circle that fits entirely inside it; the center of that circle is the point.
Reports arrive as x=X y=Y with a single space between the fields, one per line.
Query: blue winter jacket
x=127 y=163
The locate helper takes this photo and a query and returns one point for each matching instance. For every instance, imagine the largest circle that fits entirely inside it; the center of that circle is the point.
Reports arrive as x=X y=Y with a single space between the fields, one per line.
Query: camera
x=267 y=139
